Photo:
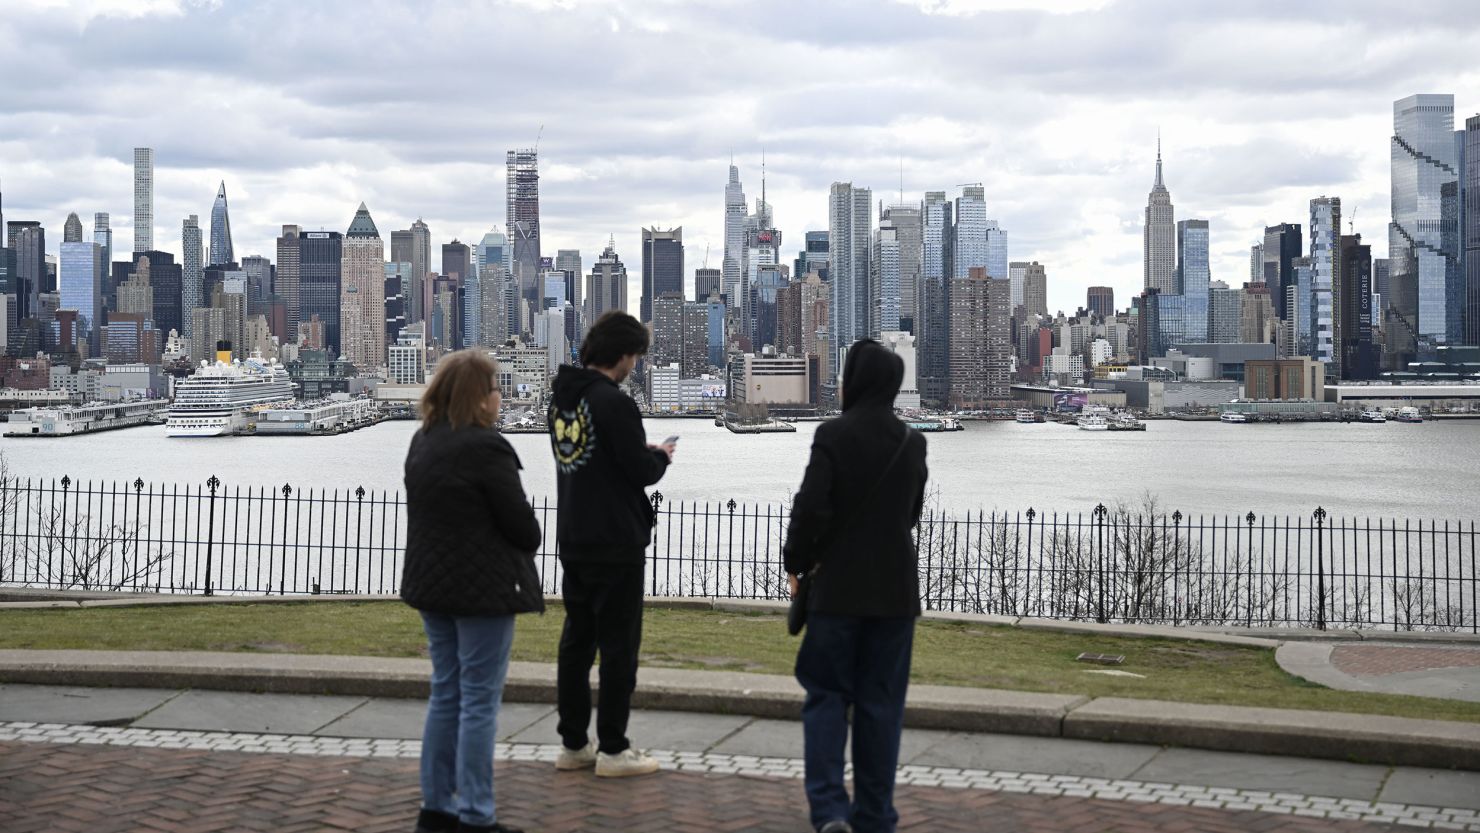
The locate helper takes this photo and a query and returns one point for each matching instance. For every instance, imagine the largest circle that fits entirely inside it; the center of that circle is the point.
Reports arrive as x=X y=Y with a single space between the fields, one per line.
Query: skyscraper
x=81 y=283
x=1159 y=245
x=885 y=281
x=289 y=277
x=1225 y=310
x=981 y=340
x=849 y=224
x=606 y=286
x=1100 y=300
x=72 y=229
x=498 y=296
x=569 y=262
x=1471 y=241
x=708 y=282
x=970 y=244
x=1359 y=354
x=27 y=239
x=662 y=267
x=1035 y=289
x=1424 y=280
x=1282 y=244
x=221 y=250
x=932 y=313
x=813 y=257
x=456 y=259
x=522 y=193
x=1256 y=263
x=1325 y=262
x=996 y=251
x=143 y=199
x=103 y=236
x=906 y=220
x=362 y=293
x=1192 y=278
x=734 y=255
x=320 y=258
x=420 y=258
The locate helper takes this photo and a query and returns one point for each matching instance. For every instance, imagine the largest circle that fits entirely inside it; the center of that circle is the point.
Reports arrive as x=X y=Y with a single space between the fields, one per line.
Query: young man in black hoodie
x=603 y=463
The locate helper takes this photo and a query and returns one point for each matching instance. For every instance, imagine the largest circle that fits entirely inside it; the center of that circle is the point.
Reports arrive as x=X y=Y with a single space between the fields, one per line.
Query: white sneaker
x=625 y=764
x=583 y=758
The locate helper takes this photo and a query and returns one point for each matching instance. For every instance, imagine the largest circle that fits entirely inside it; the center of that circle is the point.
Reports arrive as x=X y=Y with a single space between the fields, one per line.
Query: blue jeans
x=470 y=658
x=864 y=663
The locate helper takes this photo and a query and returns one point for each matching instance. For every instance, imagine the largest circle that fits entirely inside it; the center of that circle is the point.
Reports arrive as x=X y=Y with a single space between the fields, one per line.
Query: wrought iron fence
x=1121 y=564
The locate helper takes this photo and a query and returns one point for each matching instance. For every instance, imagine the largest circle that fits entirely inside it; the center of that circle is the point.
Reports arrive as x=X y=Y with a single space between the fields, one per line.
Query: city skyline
x=1066 y=174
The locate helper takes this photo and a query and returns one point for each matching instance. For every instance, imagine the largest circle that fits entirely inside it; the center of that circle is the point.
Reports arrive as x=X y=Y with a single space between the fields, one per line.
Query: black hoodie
x=602 y=465
x=869 y=563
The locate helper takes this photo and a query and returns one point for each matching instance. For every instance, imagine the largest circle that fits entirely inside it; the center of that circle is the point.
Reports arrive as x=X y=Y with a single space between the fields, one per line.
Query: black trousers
x=603 y=611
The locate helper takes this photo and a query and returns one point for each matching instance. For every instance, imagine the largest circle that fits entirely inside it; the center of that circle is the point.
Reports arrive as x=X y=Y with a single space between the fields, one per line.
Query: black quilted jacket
x=470 y=533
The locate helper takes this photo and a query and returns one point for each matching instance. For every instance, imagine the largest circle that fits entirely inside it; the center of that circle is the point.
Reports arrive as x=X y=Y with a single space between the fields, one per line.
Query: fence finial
x=1320 y=514
x=213 y=484
x=1177 y=518
x=287 y=490
x=138 y=484
x=1249 y=518
x=66 y=482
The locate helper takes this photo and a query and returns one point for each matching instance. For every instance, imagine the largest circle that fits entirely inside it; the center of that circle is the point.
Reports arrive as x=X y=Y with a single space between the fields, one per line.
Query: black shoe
x=431 y=821
x=836 y=826
x=464 y=827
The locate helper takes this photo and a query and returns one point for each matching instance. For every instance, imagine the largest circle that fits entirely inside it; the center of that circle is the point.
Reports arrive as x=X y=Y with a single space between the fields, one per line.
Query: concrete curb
x=1339 y=736
x=1397 y=741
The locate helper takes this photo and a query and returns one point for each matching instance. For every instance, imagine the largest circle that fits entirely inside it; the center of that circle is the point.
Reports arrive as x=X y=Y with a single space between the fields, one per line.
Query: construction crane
x=706 y=255
x=1351 y=222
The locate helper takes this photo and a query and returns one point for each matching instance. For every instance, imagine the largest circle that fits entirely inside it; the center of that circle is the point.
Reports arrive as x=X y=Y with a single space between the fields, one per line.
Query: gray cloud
x=306 y=109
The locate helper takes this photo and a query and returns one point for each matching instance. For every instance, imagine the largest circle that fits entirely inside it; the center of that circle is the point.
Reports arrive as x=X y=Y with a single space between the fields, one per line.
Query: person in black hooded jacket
x=851 y=524
x=603 y=463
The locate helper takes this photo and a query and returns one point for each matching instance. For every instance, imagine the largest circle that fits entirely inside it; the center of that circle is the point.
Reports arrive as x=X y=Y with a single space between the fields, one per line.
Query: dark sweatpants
x=603 y=611
x=864 y=663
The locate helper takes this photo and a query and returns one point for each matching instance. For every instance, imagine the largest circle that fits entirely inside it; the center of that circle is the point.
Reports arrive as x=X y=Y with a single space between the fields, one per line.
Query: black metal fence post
x=1320 y=516
x=211 y=484
x=1099 y=514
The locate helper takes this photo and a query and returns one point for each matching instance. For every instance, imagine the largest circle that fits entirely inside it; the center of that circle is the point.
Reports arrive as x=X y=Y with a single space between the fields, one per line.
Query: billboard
x=1070 y=401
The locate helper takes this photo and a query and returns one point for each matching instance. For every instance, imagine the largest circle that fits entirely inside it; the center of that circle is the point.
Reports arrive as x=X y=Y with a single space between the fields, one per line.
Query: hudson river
x=1431 y=470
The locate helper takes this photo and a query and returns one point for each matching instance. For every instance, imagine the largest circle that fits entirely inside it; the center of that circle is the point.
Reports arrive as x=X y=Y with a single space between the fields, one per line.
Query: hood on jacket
x=571 y=381
x=872 y=375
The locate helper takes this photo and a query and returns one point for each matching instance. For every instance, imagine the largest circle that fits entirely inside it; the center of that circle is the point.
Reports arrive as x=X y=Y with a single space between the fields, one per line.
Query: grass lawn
x=945 y=653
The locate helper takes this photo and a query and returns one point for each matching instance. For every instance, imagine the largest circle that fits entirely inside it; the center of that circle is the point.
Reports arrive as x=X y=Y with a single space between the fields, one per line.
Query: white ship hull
x=195 y=426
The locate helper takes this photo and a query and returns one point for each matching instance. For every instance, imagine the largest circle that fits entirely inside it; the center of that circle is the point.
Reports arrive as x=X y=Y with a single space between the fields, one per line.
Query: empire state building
x=1160 y=237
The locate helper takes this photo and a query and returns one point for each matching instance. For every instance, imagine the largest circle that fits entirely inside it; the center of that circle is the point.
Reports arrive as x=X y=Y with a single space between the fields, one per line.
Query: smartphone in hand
x=671 y=440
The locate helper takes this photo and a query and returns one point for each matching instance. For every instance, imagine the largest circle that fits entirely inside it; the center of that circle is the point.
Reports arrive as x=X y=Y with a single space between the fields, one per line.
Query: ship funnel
x=223 y=352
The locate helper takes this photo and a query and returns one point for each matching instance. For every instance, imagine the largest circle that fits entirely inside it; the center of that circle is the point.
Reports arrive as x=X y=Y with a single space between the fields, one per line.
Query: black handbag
x=796 y=613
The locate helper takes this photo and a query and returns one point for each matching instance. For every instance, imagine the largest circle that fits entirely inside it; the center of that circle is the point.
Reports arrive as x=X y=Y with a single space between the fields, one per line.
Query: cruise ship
x=222 y=398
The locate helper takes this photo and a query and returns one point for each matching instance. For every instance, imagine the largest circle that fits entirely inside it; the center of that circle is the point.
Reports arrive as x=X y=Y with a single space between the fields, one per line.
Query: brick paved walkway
x=1377 y=660
x=101 y=789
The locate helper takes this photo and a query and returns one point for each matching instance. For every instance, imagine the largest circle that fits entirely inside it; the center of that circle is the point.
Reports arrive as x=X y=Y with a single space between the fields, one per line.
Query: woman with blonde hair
x=470 y=542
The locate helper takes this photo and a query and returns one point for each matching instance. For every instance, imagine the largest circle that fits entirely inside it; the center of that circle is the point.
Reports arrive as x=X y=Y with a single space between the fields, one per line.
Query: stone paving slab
x=1273 y=773
x=68 y=704
x=1434 y=787
x=1024 y=754
x=783 y=739
x=229 y=711
x=103 y=789
x=677 y=731
x=405 y=719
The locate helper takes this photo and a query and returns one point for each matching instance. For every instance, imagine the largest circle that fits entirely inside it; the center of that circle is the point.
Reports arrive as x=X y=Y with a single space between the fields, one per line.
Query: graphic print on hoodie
x=572 y=435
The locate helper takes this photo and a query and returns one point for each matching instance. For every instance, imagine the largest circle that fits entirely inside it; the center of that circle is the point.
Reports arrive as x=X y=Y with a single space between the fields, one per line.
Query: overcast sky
x=306 y=109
